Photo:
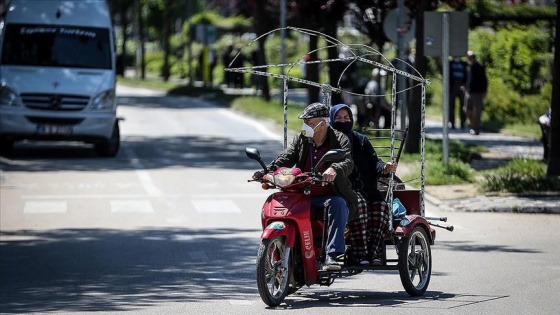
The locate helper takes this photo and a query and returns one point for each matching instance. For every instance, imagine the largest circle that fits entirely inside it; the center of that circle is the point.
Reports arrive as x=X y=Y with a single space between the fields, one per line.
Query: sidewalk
x=501 y=148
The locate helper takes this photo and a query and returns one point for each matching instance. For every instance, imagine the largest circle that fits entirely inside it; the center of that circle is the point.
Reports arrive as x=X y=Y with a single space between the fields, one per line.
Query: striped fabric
x=366 y=232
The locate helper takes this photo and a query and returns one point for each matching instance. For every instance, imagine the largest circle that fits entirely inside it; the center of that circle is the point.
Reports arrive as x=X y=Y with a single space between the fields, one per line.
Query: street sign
x=406 y=29
x=206 y=33
x=458 y=33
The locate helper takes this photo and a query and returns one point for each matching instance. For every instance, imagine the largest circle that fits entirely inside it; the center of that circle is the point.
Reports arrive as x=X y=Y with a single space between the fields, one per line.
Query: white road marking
x=259 y=126
x=131 y=206
x=140 y=196
x=45 y=207
x=215 y=276
x=215 y=206
x=143 y=175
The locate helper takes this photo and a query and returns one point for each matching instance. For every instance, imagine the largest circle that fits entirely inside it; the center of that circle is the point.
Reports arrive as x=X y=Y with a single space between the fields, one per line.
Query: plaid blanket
x=365 y=233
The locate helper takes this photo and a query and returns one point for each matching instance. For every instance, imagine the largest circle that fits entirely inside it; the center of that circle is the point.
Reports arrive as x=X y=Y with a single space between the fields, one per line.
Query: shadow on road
x=76 y=270
x=153 y=152
x=430 y=300
x=466 y=246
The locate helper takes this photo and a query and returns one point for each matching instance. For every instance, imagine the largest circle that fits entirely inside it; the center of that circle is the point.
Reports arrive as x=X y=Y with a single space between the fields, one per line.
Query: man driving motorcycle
x=334 y=193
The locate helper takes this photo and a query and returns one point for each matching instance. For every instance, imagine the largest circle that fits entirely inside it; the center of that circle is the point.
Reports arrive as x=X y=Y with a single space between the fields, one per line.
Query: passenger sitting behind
x=366 y=232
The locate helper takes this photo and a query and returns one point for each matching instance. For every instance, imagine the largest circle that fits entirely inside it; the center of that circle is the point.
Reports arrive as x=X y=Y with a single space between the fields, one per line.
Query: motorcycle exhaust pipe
x=449 y=228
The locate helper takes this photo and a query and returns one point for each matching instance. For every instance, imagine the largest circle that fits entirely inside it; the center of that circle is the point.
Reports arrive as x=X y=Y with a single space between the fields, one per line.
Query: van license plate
x=54 y=130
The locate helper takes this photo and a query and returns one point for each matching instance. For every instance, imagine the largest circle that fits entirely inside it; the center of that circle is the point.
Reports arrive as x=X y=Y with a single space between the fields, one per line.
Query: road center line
x=259 y=126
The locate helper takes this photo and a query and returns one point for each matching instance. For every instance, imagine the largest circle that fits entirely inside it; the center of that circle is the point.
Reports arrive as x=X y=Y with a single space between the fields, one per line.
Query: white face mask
x=307 y=131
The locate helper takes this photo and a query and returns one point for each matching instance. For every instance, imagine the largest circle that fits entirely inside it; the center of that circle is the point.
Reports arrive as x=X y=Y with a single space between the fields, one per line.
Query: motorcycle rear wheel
x=273 y=271
x=415 y=262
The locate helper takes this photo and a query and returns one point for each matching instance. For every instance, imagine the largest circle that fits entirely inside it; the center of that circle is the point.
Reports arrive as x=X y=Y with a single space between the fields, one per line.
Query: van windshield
x=56 y=46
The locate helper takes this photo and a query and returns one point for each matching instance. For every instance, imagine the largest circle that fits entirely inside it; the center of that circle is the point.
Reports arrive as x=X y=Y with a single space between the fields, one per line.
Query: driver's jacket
x=296 y=153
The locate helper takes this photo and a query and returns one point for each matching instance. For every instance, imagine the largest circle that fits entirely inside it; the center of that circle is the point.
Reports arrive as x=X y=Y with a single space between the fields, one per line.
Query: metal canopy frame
x=357 y=53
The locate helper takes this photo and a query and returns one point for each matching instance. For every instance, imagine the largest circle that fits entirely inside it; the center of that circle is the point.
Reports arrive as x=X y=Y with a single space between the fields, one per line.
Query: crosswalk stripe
x=131 y=206
x=45 y=207
x=215 y=206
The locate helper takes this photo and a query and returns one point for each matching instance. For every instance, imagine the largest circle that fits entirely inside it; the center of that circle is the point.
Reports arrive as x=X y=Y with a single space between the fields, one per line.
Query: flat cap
x=315 y=110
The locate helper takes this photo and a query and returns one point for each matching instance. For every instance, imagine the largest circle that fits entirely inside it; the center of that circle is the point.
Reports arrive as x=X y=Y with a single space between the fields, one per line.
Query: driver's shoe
x=331 y=264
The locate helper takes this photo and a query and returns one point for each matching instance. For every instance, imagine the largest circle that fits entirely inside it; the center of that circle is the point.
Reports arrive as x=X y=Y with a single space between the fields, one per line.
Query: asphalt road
x=171 y=226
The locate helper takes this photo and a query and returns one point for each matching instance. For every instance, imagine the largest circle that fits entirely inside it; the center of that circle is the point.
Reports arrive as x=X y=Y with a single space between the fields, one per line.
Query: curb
x=511 y=204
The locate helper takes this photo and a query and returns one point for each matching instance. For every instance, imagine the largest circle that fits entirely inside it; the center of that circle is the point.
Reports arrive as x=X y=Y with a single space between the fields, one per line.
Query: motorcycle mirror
x=335 y=155
x=254 y=154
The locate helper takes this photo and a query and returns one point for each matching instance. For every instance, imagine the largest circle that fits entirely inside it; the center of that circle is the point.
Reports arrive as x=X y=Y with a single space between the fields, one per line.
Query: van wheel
x=109 y=147
x=6 y=146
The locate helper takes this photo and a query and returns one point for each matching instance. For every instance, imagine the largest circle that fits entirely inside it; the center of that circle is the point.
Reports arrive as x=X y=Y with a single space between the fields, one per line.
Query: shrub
x=520 y=175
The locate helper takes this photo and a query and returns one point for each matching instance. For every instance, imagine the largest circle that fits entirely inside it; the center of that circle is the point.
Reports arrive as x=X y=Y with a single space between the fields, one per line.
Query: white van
x=57 y=74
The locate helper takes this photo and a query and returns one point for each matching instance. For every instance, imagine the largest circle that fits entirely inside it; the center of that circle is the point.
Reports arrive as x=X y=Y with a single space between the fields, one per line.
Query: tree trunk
x=262 y=61
x=166 y=40
x=140 y=64
x=554 y=152
x=415 y=104
x=122 y=58
x=335 y=68
x=312 y=70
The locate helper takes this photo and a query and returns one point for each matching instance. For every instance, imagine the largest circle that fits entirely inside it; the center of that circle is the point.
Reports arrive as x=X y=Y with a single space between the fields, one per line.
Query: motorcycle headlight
x=103 y=101
x=9 y=98
x=282 y=180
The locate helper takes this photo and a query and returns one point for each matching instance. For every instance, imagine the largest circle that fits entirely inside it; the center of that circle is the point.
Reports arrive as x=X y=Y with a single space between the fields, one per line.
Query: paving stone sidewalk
x=501 y=148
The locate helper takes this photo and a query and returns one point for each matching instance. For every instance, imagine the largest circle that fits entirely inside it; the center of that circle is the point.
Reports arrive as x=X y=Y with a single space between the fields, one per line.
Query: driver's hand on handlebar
x=258 y=175
x=328 y=176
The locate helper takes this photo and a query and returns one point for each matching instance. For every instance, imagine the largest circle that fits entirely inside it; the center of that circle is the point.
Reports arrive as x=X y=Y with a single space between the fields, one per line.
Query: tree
x=265 y=16
x=120 y=10
x=322 y=16
x=554 y=152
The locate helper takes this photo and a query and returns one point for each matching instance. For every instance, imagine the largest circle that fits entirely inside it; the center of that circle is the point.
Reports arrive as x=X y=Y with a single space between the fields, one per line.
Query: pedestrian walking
x=457 y=81
x=475 y=92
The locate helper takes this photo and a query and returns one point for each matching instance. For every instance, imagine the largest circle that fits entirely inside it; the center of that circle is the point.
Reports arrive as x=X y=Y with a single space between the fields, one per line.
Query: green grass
x=274 y=111
x=520 y=175
x=152 y=84
x=436 y=173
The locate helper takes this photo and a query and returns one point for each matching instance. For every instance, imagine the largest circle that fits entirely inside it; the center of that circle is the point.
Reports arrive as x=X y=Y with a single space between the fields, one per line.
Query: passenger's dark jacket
x=367 y=165
x=297 y=152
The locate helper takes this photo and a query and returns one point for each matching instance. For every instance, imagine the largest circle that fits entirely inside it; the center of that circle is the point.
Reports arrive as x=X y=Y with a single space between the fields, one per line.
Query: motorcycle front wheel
x=415 y=262
x=273 y=271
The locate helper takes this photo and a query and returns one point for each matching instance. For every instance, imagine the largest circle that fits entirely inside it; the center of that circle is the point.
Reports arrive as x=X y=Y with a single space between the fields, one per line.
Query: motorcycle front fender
x=280 y=228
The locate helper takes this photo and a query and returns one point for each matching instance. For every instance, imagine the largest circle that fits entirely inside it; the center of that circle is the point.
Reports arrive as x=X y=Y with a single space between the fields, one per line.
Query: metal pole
x=284 y=90
x=401 y=64
x=282 y=36
x=445 y=101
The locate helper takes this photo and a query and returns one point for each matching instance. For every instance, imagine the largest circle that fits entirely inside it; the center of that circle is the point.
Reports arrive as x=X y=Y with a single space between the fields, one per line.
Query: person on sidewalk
x=365 y=233
x=475 y=92
x=335 y=193
x=544 y=122
x=457 y=81
x=377 y=105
